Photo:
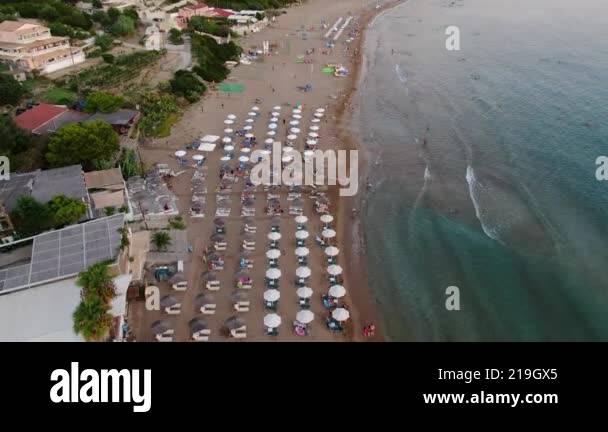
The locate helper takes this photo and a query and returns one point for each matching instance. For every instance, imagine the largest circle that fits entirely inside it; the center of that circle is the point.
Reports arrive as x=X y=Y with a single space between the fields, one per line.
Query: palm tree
x=161 y=240
x=92 y=319
x=96 y=281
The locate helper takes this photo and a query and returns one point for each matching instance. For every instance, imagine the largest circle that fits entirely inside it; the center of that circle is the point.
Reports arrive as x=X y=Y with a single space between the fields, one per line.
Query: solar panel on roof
x=66 y=252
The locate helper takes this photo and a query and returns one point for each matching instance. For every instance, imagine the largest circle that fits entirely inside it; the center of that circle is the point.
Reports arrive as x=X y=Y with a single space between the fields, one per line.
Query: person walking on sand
x=222 y=105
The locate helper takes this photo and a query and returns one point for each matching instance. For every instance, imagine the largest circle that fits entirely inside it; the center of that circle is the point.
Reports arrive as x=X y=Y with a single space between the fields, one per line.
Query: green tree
x=185 y=83
x=11 y=91
x=131 y=13
x=104 y=102
x=97 y=4
x=14 y=139
x=129 y=164
x=48 y=13
x=109 y=211
x=97 y=282
x=30 y=217
x=66 y=211
x=92 y=318
x=114 y=14
x=175 y=37
x=83 y=143
x=104 y=42
x=161 y=240
x=108 y=58
x=123 y=26
x=101 y=17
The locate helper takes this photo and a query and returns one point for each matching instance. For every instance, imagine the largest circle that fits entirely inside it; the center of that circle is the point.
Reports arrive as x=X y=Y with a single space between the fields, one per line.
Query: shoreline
x=361 y=292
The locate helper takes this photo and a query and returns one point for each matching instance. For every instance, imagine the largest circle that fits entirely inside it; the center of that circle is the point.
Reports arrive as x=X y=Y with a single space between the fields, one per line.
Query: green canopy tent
x=232 y=88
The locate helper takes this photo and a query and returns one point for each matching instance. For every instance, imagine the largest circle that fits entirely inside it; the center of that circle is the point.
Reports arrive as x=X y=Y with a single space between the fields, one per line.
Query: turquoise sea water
x=482 y=165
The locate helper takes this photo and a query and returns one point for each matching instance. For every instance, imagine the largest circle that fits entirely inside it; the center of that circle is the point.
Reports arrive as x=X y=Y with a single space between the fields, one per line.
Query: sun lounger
x=242 y=306
x=213 y=285
x=239 y=333
x=180 y=286
x=293 y=196
x=220 y=246
x=304 y=303
x=162 y=338
x=248 y=247
x=271 y=305
x=208 y=309
x=201 y=335
x=174 y=310
x=251 y=229
x=222 y=212
x=302 y=261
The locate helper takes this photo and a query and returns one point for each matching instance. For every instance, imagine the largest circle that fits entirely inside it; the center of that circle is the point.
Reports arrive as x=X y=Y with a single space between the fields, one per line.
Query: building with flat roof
x=38 y=291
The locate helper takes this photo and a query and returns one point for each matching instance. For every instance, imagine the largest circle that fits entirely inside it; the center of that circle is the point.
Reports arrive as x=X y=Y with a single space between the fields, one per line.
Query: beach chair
x=239 y=333
x=201 y=335
x=167 y=336
x=271 y=305
x=302 y=261
x=213 y=285
x=304 y=303
x=272 y=331
x=242 y=306
x=331 y=260
x=273 y=262
x=220 y=246
x=208 y=309
x=176 y=309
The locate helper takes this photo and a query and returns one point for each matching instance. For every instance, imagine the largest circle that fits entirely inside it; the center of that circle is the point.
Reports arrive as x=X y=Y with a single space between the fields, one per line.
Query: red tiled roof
x=37 y=116
x=222 y=12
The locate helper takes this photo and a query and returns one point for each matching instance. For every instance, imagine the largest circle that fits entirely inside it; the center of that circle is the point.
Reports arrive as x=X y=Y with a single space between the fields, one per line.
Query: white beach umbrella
x=251 y=113
x=340 y=314
x=294 y=122
x=292 y=137
x=228 y=131
x=321 y=110
x=318 y=115
x=302 y=235
x=277 y=108
x=226 y=139
x=225 y=158
x=272 y=126
x=231 y=116
x=327 y=218
x=247 y=127
x=316 y=120
x=294 y=130
x=311 y=142
x=314 y=128
x=332 y=251
x=305 y=316
x=248 y=135
x=303 y=272
x=273 y=273
x=274 y=236
x=198 y=157
x=180 y=153
x=301 y=219
x=272 y=320
x=288 y=149
x=271 y=133
x=296 y=111
x=328 y=233
x=255 y=108
x=313 y=134
x=245 y=150
x=249 y=120
x=275 y=114
x=296 y=116
x=229 y=148
x=273 y=253
x=304 y=292
x=302 y=251
x=334 y=270
x=272 y=295
x=274 y=119
x=337 y=291
x=243 y=159
x=228 y=121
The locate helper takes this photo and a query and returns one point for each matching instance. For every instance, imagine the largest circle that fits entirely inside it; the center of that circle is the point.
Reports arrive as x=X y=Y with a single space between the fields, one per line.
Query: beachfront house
x=29 y=47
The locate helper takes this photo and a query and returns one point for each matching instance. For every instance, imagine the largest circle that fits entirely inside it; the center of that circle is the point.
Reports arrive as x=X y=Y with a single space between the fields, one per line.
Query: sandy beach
x=274 y=81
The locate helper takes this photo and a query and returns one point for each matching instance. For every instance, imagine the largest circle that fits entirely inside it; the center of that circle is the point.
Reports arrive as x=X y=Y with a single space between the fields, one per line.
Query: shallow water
x=483 y=169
